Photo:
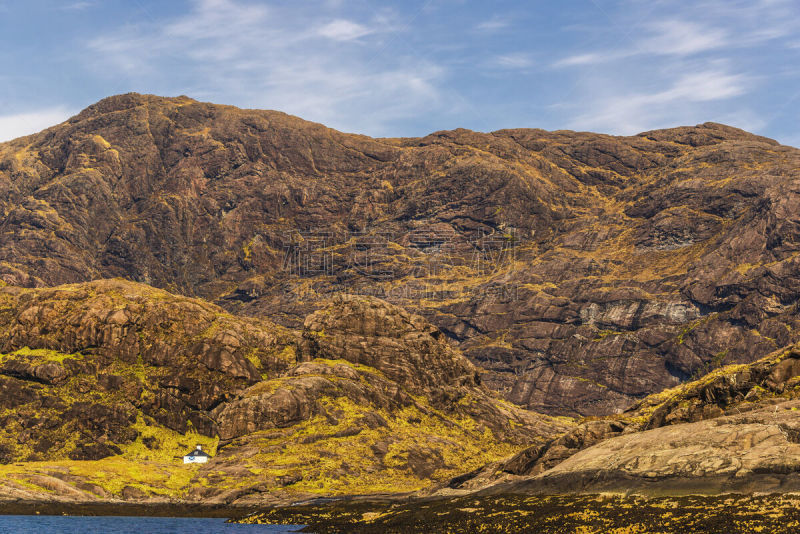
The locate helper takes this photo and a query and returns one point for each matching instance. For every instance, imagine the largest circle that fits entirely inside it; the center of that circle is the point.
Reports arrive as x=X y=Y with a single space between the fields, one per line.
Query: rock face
x=373 y=296
x=374 y=353
x=757 y=451
x=734 y=430
x=404 y=347
x=127 y=377
x=729 y=391
x=583 y=271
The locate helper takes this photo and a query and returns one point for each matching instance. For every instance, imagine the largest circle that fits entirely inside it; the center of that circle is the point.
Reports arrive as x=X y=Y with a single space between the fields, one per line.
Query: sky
x=411 y=67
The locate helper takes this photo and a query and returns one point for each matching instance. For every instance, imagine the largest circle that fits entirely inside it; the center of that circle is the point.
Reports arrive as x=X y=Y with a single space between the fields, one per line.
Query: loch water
x=42 y=524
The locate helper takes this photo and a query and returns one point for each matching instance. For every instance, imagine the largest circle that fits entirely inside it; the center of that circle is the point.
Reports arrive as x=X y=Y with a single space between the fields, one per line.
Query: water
x=43 y=524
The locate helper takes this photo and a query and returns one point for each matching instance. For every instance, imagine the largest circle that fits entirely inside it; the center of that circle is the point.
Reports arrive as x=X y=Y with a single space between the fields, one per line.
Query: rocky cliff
x=583 y=272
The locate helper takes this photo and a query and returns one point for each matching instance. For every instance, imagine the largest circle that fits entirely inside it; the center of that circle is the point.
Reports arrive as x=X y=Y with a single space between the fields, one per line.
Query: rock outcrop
x=363 y=408
x=734 y=430
x=583 y=271
x=753 y=452
x=404 y=347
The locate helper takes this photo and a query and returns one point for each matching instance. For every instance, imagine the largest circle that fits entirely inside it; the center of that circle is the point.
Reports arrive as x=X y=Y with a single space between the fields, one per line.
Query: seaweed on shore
x=584 y=514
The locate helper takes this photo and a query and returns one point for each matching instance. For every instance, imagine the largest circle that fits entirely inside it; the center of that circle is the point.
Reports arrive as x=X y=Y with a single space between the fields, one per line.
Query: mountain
x=463 y=314
x=581 y=272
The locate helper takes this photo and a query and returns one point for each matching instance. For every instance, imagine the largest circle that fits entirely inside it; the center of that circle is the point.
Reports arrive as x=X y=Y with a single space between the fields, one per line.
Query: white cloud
x=701 y=87
x=585 y=59
x=673 y=37
x=18 y=125
x=343 y=30
x=278 y=57
x=218 y=21
x=743 y=118
x=706 y=26
x=664 y=65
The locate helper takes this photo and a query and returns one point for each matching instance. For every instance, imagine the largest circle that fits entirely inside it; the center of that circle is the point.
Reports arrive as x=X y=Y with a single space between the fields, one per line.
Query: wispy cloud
x=77 y=6
x=493 y=25
x=323 y=67
x=680 y=103
x=675 y=65
x=591 y=58
x=682 y=37
x=672 y=37
x=705 y=26
x=408 y=68
x=517 y=60
x=20 y=124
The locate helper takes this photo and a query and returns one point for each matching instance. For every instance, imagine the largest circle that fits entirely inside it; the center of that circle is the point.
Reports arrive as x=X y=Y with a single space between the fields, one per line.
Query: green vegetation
x=335 y=453
x=715 y=363
x=157 y=443
x=38 y=356
x=694 y=324
x=602 y=334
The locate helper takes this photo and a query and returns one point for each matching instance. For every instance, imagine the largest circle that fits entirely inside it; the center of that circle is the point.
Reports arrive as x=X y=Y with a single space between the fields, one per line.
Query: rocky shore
x=509 y=514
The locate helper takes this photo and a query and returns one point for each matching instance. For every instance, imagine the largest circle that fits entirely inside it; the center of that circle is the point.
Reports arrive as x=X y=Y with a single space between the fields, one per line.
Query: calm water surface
x=43 y=524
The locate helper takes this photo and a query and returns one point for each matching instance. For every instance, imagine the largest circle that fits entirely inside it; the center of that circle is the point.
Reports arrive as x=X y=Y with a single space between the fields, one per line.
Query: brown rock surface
x=610 y=277
x=756 y=451
x=404 y=347
x=734 y=430
x=376 y=355
x=584 y=271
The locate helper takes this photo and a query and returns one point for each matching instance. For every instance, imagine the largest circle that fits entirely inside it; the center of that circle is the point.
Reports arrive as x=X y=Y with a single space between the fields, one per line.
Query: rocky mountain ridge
x=582 y=271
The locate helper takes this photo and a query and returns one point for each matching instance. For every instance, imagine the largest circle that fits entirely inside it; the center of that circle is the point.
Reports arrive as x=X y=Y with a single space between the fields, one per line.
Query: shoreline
x=547 y=514
x=123 y=509
x=190 y=509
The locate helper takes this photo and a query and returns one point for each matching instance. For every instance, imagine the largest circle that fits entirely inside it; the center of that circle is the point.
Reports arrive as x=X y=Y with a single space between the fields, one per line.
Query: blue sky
x=411 y=67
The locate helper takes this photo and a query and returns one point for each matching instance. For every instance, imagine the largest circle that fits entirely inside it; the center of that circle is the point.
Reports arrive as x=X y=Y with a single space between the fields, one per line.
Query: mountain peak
x=127 y=101
x=707 y=133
